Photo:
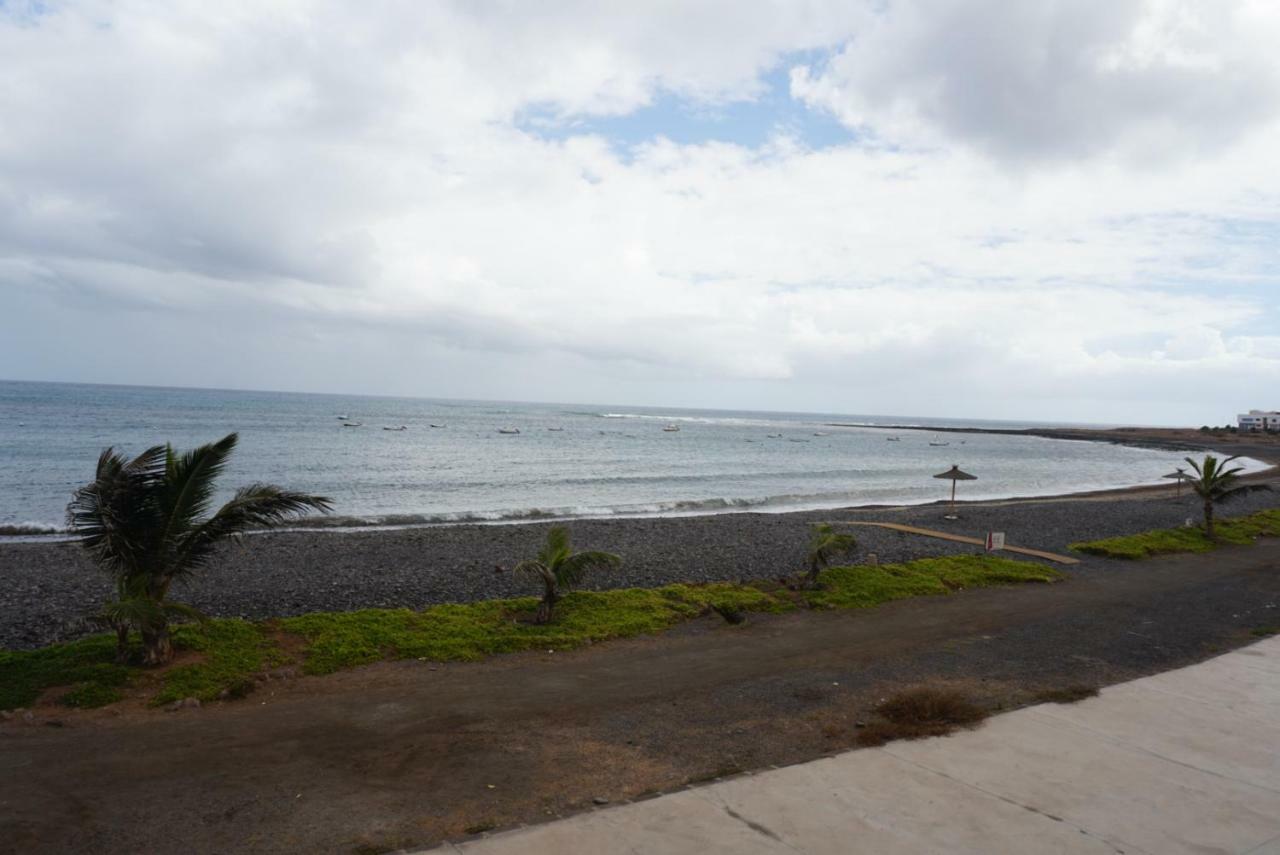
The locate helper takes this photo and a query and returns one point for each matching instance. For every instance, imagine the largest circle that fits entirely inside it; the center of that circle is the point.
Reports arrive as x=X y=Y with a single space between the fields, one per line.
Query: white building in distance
x=1260 y=420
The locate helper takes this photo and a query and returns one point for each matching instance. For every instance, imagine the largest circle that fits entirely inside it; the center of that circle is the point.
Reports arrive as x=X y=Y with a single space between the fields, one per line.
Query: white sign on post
x=995 y=541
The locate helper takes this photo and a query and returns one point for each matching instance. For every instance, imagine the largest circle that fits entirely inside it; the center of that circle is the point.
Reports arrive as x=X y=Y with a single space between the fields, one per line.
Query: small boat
x=509 y=430
x=555 y=430
x=344 y=417
x=353 y=424
x=672 y=428
x=774 y=436
x=939 y=444
x=893 y=439
x=433 y=424
x=402 y=427
x=793 y=439
x=820 y=433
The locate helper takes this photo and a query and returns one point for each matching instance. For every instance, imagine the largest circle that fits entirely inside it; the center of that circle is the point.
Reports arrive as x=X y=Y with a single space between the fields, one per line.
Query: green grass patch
x=1237 y=531
x=88 y=695
x=474 y=630
x=88 y=665
x=233 y=651
x=862 y=586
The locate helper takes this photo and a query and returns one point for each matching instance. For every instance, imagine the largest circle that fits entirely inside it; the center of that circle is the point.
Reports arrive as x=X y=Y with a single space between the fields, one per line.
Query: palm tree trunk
x=1208 y=519
x=122 y=643
x=157 y=646
x=546 y=608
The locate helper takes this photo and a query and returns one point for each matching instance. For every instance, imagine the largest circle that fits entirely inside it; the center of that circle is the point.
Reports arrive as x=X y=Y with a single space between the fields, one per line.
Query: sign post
x=995 y=541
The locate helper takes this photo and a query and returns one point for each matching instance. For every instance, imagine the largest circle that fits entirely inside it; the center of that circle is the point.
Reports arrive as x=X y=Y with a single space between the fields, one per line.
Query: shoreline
x=1264 y=449
x=51 y=586
x=1261 y=447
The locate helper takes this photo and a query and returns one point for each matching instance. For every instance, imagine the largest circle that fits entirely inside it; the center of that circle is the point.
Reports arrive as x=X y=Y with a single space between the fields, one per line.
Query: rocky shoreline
x=49 y=587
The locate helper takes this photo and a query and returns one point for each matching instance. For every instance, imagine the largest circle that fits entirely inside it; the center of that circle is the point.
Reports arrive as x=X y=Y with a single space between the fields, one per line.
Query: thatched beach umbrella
x=1180 y=476
x=955 y=474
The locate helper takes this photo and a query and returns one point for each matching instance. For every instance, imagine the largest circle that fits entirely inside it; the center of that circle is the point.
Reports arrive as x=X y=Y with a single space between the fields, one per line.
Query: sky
x=1057 y=210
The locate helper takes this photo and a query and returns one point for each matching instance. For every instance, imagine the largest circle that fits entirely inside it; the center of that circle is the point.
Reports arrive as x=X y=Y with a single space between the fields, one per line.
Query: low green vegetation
x=1217 y=481
x=1238 y=531
x=232 y=651
x=825 y=543
x=221 y=658
x=474 y=630
x=861 y=586
x=88 y=666
x=560 y=569
x=228 y=653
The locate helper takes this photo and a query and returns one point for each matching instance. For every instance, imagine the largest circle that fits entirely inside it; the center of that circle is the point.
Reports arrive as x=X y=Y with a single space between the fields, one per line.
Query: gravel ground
x=48 y=587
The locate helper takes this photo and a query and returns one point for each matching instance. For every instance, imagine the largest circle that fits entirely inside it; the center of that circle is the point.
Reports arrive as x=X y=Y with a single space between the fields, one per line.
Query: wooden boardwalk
x=960 y=538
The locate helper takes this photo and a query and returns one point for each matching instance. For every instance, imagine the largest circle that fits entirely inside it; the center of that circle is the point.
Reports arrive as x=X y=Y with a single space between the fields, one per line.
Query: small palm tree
x=146 y=522
x=559 y=567
x=825 y=543
x=1215 y=483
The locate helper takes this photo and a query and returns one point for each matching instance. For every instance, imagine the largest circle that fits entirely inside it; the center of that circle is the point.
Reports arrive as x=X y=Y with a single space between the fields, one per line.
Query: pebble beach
x=50 y=586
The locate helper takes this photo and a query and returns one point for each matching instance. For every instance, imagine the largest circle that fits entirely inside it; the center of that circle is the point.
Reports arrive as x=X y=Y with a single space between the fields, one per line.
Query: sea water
x=565 y=461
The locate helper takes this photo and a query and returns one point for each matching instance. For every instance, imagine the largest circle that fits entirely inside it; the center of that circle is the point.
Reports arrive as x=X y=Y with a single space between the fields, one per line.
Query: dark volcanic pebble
x=49 y=587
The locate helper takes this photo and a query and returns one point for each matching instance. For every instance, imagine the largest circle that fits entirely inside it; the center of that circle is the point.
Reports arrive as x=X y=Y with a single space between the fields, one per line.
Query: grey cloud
x=1053 y=78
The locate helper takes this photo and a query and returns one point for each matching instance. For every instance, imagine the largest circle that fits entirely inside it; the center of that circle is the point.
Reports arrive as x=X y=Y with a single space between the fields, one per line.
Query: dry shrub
x=921 y=712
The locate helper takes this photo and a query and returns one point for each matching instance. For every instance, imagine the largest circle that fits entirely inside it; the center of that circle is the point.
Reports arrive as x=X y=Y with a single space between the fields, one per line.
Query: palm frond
x=825 y=543
x=573 y=569
x=188 y=490
x=137 y=612
x=536 y=569
x=113 y=514
x=841 y=543
x=1241 y=491
x=557 y=546
x=255 y=506
x=1216 y=480
x=182 y=610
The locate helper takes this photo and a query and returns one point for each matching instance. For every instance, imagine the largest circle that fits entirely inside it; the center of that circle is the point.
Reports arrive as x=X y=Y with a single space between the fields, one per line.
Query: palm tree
x=825 y=543
x=1214 y=483
x=558 y=566
x=146 y=522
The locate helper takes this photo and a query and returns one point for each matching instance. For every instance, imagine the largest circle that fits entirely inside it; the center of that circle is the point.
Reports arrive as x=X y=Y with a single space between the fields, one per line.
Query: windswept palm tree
x=559 y=567
x=1215 y=483
x=825 y=543
x=146 y=521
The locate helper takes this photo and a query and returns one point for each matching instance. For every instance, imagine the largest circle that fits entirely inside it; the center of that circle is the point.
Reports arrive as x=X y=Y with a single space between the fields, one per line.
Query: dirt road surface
x=406 y=754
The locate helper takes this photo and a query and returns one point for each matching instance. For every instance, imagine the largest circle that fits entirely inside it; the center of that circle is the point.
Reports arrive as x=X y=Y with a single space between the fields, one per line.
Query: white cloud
x=353 y=183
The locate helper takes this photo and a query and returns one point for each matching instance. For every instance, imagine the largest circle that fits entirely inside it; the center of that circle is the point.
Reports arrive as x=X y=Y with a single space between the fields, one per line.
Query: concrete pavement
x=1185 y=761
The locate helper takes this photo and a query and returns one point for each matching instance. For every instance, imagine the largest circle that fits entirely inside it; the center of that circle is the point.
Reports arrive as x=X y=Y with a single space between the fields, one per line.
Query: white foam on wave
x=708 y=420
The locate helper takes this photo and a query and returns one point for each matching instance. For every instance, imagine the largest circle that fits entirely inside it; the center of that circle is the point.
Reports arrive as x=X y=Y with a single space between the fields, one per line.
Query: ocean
x=452 y=463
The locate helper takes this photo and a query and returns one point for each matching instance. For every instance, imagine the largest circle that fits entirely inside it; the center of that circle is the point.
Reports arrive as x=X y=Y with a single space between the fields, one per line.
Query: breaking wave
x=29 y=528
x=690 y=507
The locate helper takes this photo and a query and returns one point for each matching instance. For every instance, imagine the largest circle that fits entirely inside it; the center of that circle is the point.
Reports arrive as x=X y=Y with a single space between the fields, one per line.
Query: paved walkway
x=1186 y=761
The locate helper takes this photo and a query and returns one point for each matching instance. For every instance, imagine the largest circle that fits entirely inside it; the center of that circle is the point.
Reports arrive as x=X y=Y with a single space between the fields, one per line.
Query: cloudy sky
x=1050 y=209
